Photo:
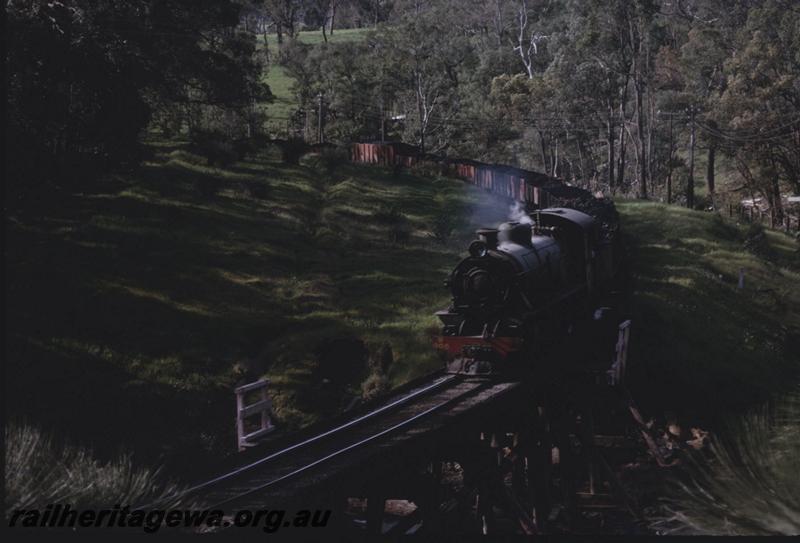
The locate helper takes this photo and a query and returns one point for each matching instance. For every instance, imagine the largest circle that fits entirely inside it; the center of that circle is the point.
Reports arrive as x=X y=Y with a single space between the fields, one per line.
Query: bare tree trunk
x=610 y=144
x=554 y=160
x=622 y=149
x=710 y=174
x=498 y=22
x=526 y=49
x=543 y=147
x=690 y=181
x=636 y=41
x=622 y=128
x=651 y=152
x=422 y=111
x=641 y=156
x=777 y=205
x=669 y=164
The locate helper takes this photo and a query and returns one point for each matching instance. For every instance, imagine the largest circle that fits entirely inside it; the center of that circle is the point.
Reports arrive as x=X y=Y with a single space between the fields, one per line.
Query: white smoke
x=517 y=214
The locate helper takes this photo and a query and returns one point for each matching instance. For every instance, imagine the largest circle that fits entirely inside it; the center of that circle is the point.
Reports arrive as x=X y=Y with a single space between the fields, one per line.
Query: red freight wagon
x=516 y=183
x=384 y=153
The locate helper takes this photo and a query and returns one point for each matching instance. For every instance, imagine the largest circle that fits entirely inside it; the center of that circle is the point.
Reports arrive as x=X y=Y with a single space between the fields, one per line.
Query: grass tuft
x=747 y=484
x=41 y=471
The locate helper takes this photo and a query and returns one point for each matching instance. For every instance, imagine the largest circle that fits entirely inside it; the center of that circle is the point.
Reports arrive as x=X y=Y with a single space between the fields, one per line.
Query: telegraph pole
x=320 y=135
x=692 y=141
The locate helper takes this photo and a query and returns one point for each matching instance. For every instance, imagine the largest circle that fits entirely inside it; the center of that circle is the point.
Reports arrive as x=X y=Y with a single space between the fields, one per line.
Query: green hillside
x=700 y=344
x=139 y=304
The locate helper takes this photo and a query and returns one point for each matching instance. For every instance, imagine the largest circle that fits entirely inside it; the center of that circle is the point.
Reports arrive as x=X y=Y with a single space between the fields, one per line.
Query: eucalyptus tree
x=759 y=108
x=427 y=63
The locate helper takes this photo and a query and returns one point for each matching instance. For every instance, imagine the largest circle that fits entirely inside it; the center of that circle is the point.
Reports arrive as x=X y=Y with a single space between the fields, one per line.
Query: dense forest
x=622 y=96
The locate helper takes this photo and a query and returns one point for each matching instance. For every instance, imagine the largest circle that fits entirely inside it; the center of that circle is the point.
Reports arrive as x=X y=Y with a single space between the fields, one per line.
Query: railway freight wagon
x=515 y=183
x=518 y=184
x=384 y=154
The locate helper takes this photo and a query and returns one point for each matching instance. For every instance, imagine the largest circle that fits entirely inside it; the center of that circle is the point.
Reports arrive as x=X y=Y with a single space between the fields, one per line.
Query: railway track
x=280 y=472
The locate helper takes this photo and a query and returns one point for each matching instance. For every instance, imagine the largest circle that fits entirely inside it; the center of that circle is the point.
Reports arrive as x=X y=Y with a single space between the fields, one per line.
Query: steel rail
x=406 y=422
x=403 y=400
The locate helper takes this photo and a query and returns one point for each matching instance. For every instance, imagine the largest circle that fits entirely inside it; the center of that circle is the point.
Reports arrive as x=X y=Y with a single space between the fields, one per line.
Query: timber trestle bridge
x=451 y=454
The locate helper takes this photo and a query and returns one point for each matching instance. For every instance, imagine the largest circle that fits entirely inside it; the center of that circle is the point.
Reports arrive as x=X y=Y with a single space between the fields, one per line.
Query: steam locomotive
x=526 y=285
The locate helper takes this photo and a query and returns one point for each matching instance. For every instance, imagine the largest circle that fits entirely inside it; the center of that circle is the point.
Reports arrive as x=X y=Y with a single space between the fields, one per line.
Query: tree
x=426 y=59
x=758 y=108
x=85 y=78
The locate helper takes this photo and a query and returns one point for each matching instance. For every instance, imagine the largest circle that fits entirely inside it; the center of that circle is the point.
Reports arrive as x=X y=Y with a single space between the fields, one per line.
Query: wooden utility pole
x=320 y=135
x=690 y=181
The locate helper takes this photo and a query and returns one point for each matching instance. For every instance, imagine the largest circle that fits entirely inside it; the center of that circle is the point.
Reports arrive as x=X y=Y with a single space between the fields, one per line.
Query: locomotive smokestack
x=488 y=236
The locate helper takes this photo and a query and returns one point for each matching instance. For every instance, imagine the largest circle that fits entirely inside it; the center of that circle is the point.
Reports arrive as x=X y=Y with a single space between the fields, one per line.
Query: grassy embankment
x=705 y=347
x=134 y=305
x=723 y=358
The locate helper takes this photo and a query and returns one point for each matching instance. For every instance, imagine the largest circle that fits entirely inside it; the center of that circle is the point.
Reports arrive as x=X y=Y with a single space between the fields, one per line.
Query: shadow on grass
x=700 y=343
x=132 y=305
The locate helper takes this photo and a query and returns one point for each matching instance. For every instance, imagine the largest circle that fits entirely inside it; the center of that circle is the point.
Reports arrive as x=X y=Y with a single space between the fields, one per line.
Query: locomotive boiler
x=521 y=290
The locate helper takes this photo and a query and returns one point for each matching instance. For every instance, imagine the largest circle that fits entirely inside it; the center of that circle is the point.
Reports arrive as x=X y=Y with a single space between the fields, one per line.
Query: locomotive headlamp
x=477 y=249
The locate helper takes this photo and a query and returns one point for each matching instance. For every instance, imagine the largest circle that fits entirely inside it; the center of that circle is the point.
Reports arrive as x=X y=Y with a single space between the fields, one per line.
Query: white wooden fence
x=262 y=408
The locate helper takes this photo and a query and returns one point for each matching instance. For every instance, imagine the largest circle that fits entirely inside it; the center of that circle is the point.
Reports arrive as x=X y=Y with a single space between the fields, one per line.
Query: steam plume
x=517 y=214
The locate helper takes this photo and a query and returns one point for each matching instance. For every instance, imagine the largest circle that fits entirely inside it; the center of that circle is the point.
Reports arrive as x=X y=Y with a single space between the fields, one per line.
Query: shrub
x=376 y=385
x=331 y=159
x=443 y=225
x=215 y=147
x=382 y=359
x=326 y=159
x=702 y=202
x=292 y=149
